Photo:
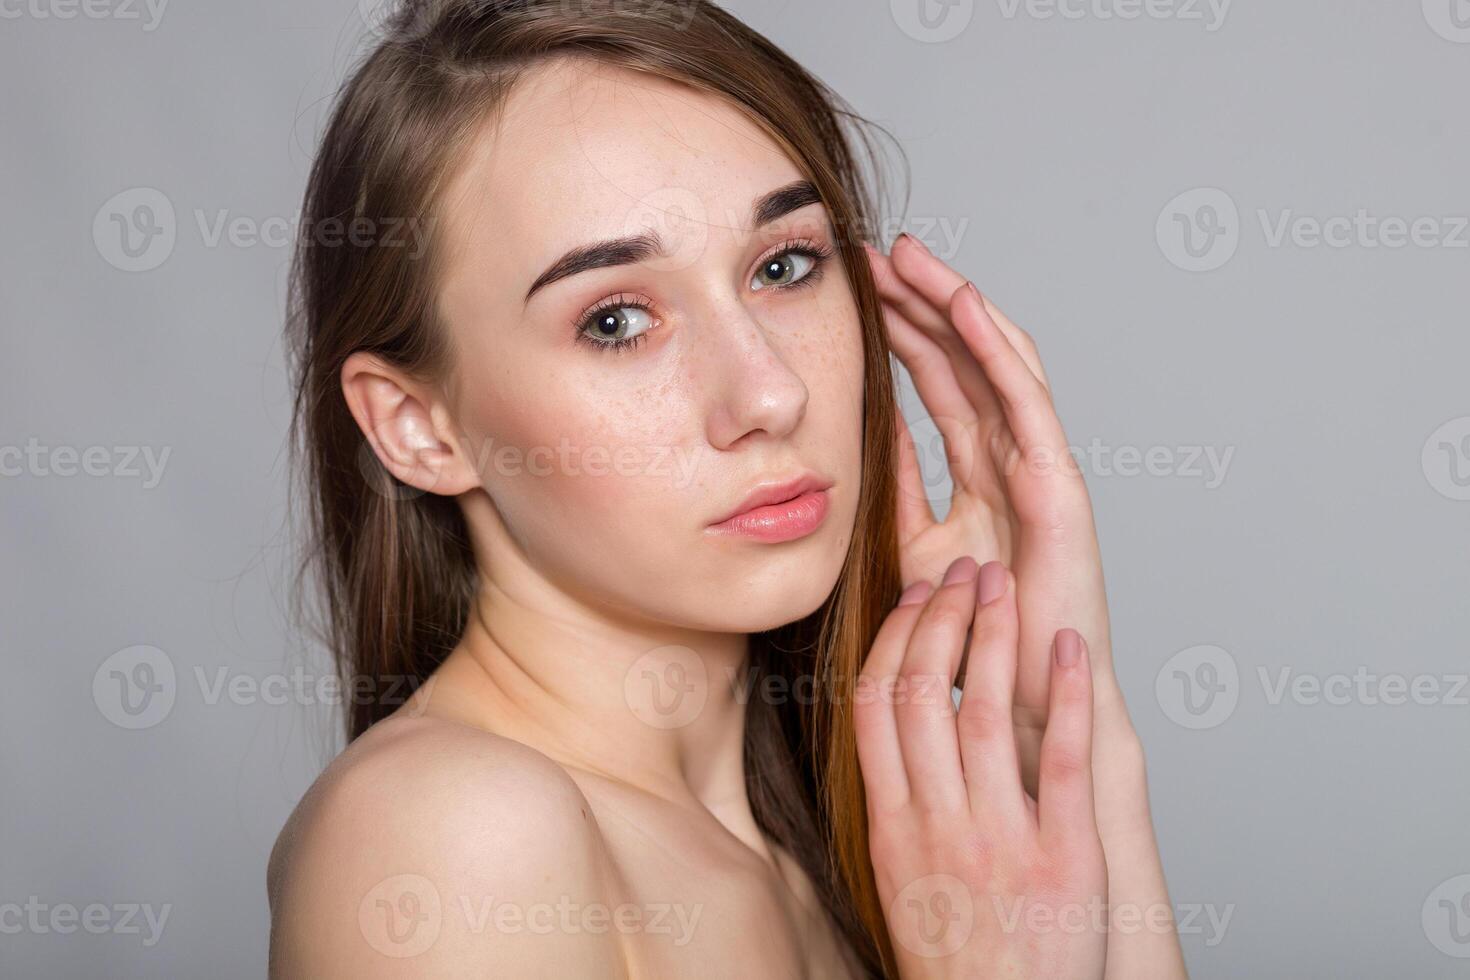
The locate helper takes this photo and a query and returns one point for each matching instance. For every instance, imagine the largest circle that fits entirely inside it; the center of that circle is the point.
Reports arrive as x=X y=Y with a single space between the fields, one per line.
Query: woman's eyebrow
x=782 y=201
x=637 y=248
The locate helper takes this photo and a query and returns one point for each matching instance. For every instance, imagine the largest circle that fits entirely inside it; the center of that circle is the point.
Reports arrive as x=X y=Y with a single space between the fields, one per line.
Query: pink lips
x=782 y=512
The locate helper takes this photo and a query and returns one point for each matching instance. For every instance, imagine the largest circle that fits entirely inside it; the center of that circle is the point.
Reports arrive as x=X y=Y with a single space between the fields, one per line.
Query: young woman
x=603 y=457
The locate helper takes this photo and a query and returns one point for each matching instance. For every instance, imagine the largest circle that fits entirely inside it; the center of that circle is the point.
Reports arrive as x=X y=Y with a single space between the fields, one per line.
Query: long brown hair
x=392 y=567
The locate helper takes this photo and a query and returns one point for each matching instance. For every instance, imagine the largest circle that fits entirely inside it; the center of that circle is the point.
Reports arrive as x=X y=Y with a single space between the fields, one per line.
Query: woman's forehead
x=584 y=151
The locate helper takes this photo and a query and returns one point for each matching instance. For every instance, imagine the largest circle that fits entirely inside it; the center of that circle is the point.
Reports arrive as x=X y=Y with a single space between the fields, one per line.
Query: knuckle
x=1052 y=524
x=938 y=812
x=1064 y=764
x=926 y=696
x=994 y=630
x=1031 y=400
x=944 y=619
x=928 y=358
x=1028 y=343
x=984 y=720
x=977 y=855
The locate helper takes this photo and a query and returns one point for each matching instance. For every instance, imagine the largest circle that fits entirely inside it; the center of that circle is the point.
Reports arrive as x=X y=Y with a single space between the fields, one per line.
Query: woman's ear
x=410 y=434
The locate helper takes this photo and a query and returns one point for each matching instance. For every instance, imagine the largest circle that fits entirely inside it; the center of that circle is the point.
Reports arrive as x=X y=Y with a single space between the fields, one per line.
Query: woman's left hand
x=1019 y=497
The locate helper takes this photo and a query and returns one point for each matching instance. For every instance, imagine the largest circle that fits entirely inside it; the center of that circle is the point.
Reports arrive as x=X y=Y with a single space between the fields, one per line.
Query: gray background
x=1053 y=147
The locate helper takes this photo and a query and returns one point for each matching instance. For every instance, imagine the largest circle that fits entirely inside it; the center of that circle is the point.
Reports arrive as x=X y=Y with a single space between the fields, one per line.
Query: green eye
x=618 y=323
x=784 y=270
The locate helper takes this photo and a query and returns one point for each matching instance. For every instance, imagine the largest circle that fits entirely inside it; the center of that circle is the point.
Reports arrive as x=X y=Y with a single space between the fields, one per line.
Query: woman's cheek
x=613 y=463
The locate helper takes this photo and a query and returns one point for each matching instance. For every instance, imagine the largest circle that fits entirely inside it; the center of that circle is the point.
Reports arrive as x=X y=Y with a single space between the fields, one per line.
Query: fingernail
x=974 y=289
x=992 y=582
x=919 y=242
x=1068 y=646
x=962 y=569
x=915 y=594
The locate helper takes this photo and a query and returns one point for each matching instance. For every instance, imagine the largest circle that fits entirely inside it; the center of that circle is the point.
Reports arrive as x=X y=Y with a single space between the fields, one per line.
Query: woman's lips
x=785 y=521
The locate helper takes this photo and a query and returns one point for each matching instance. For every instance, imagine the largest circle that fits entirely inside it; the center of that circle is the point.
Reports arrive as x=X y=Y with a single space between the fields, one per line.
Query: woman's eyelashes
x=616 y=324
x=787 y=273
x=620 y=323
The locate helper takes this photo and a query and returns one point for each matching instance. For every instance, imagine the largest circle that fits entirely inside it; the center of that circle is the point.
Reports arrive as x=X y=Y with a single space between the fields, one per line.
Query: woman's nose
x=750 y=386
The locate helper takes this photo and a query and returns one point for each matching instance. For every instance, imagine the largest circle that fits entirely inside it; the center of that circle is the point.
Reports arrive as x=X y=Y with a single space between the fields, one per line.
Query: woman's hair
x=392 y=567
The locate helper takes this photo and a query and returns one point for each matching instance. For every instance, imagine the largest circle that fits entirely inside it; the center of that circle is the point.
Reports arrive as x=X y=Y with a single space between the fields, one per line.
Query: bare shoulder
x=433 y=845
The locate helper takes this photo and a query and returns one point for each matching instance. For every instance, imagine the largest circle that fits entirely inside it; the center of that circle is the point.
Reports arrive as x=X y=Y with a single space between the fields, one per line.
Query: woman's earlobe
x=402 y=430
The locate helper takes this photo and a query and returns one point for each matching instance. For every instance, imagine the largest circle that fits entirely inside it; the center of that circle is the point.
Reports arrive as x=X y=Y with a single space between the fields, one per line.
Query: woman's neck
x=649 y=705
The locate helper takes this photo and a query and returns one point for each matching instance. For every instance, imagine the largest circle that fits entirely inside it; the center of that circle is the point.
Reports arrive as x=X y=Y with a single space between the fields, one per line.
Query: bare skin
x=529 y=812
x=525 y=864
x=1020 y=499
x=528 y=775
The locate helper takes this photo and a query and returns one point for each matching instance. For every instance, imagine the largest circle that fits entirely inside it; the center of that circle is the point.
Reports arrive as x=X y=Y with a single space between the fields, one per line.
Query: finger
x=876 y=729
x=1020 y=339
x=925 y=701
x=987 y=737
x=914 y=513
x=931 y=369
x=951 y=411
x=1046 y=492
x=931 y=322
x=933 y=281
x=900 y=292
x=1024 y=399
x=1065 y=806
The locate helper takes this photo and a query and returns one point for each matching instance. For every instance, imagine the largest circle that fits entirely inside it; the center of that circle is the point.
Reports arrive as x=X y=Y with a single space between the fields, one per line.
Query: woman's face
x=615 y=409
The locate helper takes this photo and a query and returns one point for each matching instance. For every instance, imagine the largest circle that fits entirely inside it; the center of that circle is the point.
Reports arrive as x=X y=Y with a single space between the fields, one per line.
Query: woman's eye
x=615 y=326
x=784 y=270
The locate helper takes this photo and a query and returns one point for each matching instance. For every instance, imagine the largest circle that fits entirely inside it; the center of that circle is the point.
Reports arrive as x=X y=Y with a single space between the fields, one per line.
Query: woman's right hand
x=977 y=878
